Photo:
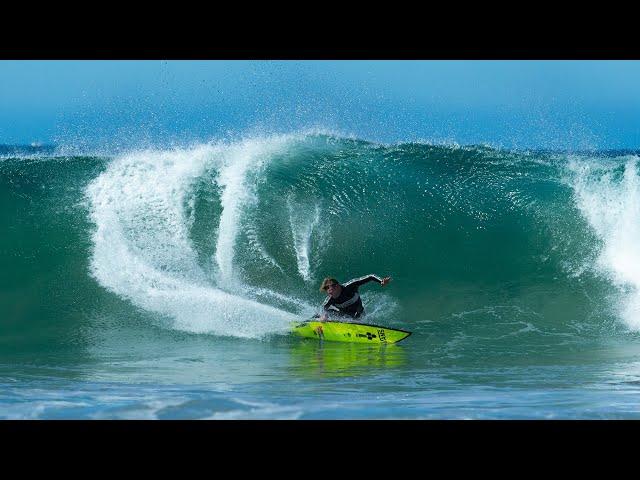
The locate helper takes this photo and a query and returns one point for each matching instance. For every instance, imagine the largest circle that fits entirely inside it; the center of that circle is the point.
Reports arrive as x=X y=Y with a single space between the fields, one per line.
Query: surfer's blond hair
x=326 y=282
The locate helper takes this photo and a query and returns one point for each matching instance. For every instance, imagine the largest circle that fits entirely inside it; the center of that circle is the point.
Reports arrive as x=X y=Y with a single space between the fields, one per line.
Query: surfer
x=343 y=300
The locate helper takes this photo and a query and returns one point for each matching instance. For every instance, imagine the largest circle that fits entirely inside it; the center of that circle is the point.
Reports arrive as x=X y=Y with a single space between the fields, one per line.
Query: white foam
x=302 y=228
x=238 y=160
x=612 y=207
x=142 y=250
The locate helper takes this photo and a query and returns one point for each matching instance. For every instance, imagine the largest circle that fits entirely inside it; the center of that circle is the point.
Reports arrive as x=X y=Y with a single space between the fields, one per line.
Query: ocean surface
x=161 y=283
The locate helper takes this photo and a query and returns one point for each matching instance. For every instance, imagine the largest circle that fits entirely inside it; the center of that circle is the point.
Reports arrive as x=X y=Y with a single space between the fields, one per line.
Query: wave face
x=233 y=239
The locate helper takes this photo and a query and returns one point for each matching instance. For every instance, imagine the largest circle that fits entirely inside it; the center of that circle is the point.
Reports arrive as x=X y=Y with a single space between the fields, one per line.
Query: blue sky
x=521 y=104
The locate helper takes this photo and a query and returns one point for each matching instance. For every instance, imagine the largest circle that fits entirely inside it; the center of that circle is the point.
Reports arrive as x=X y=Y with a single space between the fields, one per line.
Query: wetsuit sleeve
x=328 y=304
x=362 y=280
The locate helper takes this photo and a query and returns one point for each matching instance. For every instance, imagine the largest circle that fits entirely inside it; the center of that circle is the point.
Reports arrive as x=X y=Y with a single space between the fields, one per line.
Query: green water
x=160 y=284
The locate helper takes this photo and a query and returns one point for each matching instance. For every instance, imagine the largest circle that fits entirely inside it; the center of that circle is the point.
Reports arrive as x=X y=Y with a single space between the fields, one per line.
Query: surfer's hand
x=385 y=280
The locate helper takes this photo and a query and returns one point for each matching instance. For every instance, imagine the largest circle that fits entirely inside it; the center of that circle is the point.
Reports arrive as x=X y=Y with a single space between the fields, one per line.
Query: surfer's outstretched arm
x=368 y=278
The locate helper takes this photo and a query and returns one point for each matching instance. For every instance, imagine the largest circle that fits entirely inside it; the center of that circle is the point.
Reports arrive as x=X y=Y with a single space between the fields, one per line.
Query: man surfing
x=343 y=300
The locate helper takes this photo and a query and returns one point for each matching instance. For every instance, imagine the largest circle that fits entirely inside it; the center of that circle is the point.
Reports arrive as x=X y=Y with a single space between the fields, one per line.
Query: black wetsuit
x=349 y=302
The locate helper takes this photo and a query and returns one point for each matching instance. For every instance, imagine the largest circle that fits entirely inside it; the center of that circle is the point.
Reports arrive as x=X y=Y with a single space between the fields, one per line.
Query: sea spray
x=608 y=196
x=304 y=224
x=141 y=246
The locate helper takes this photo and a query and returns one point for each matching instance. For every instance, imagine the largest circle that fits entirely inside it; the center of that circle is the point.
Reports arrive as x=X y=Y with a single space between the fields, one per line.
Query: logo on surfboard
x=368 y=335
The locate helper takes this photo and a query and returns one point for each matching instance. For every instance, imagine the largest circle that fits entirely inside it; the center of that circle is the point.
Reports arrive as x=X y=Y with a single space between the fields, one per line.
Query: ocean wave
x=233 y=238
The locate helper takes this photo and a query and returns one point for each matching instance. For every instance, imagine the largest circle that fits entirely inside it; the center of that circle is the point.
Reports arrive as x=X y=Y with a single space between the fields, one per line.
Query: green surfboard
x=349 y=332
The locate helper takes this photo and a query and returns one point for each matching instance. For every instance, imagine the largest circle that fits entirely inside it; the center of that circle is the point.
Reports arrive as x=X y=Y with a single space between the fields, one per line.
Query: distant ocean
x=161 y=283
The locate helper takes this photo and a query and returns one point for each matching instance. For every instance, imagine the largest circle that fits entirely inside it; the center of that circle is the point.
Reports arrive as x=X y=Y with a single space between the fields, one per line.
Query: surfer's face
x=334 y=289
